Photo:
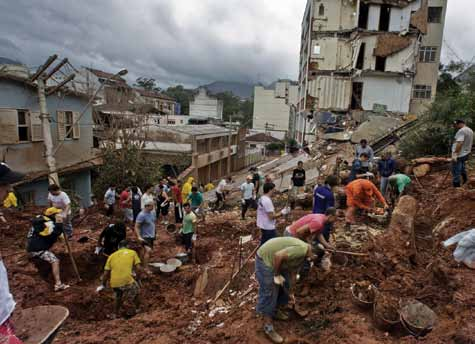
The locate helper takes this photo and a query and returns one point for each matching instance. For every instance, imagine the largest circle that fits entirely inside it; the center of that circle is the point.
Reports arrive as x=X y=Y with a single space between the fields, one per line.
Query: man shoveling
x=277 y=263
x=119 y=271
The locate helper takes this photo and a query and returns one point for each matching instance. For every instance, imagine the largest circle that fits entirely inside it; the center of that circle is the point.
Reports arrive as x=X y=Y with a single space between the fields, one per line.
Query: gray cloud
x=178 y=41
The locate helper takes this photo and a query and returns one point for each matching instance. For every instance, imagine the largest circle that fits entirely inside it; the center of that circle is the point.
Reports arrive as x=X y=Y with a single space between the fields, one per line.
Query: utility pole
x=41 y=77
x=47 y=137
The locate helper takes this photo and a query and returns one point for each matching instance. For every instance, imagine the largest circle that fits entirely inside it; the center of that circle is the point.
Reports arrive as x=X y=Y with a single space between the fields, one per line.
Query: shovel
x=320 y=246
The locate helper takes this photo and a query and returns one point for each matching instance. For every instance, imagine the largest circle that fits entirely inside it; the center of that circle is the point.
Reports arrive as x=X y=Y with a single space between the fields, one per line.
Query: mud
x=170 y=313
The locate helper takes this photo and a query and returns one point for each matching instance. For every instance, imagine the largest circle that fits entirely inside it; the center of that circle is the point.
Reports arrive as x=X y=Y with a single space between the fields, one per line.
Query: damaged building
x=370 y=55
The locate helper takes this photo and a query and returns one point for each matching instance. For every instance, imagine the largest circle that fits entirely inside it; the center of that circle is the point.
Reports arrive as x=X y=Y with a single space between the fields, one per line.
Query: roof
x=106 y=75
x=262 y=137
x=153 y=94
x=397 y=3
x=196 y=130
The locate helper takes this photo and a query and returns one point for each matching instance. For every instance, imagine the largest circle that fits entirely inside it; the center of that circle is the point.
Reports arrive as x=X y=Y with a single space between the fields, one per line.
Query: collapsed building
x=371 y=55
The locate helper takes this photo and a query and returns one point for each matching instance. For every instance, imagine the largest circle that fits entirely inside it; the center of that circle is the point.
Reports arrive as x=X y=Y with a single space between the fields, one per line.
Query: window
x=427 y=54
x=23 y=126
x=171 y=122
x=363 y=17
x=316 y=49
x=68 y=124
x=321 y=10
x=422 y=91
x=380 y=63
x=361 y=55
x=385 y=18
x=435 y=15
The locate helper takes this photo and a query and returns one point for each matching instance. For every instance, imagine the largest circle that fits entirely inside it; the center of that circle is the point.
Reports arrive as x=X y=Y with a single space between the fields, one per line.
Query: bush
x=275 y=146
x=125 y=167
x=430 y=138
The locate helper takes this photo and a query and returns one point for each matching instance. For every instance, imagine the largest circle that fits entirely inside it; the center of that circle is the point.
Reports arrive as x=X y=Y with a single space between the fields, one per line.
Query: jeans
x=248 y=203
x=270 y=295
x=458 y=169
x=326 y=234
x=267 y=234
x=68 y=226
x=384 y=185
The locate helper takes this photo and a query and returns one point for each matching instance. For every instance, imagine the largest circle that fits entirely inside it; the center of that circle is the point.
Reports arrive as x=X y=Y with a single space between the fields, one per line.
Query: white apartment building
x=205 y=105
x=362 y=54
x=275 y=108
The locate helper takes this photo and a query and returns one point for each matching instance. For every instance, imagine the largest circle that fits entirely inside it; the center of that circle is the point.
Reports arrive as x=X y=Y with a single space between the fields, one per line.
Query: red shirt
x=123 y=200
x=316 y=223
x=177 y=193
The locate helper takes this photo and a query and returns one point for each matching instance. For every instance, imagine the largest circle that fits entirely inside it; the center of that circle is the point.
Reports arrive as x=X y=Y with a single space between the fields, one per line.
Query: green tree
x=182 y=96
x=454 y=100
x=148 y=84
x=231 y=105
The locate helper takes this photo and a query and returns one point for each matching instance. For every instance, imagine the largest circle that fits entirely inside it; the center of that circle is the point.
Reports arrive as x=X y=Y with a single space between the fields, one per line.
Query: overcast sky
x=187 y=42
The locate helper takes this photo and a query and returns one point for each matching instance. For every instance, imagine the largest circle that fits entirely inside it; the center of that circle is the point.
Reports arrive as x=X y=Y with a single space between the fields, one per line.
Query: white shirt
x=265 y=206
x=247 y=190
x=61 y=201
x=7 y=304
x=146 y=197
x=464 y=136
x=109 y=197
x=222 y=184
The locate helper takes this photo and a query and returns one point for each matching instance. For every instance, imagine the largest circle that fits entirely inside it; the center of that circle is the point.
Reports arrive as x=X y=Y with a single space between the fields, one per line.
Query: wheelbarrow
x=39 y=325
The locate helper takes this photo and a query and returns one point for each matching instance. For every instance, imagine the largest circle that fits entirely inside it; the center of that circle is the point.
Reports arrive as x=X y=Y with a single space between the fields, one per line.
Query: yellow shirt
x=10 y=201
x=209 y=187
x=121 y=264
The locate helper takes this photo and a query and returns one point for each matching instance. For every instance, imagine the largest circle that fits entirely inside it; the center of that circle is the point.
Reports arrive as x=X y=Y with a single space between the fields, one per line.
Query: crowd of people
x=279 y=258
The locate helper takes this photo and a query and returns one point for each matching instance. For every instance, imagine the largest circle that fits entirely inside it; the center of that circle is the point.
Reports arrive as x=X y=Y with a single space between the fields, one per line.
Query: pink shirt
x=316 y=223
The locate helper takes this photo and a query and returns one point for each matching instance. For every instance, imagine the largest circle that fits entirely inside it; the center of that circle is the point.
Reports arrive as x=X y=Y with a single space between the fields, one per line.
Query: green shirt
x=401 y=181
x=296 y=250
x=188 y=223
x=195 y=199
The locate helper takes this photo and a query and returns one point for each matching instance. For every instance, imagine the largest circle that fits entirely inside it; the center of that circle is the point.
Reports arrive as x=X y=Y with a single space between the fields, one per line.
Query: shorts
x=47 y=256
x=131 y=290
x=148 y=242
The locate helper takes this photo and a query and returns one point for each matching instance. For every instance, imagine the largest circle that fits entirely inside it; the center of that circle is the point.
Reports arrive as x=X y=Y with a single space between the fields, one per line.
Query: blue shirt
x=323 y=199
x=386 y=167
x=146 y=220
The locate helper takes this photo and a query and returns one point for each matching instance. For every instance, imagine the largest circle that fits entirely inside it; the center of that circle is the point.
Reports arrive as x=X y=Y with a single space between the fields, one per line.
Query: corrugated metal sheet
x=333 y=93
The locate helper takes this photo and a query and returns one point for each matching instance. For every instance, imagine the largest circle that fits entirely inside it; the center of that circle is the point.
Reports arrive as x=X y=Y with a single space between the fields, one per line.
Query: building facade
x=165 y=105
x=274 y=107
x=205 y=105
x=370 y=54
x=22 y=145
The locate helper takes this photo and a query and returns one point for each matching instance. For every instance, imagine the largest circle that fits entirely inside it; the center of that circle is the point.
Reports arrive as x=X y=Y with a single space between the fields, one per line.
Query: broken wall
x=394 y=92
x=331 y=15
x=331 y=53
x=332 y=92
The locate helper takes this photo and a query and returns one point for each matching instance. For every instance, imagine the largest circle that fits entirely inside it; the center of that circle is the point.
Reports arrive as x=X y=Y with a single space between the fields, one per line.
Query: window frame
x=438 y=18
x=422 y=92
x=26 y=125
x=428 y=54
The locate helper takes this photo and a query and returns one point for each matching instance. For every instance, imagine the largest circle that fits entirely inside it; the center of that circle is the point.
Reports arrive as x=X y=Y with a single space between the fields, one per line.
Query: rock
x=421 y=170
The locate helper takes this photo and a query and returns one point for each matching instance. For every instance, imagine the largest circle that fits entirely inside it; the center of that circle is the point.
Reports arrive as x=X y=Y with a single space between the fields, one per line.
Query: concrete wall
x=29 y=157
x=394 y=92
x=335 y=53
x=337 y=15
x=206 y=106
x=427 y=73
x=272 y=110
x=332 y=93
x=77 y=185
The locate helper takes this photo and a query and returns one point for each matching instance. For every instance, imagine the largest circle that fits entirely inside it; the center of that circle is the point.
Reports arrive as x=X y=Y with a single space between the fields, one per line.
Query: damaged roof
x=153 y=94
x=262 y=137
x=390 y=43
x=397 y=3
x=106 y=75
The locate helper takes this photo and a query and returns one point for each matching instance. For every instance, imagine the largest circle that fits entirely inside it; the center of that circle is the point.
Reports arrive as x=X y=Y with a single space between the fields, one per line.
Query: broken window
x=380 y=63
x=422 y=91
x=316 y=49
x=321 y=10
x=435 y=15
x=357 y=96
x=23 y=126
x=360 y=60
x=427 y=54
x=363 y=17
x=384 y=18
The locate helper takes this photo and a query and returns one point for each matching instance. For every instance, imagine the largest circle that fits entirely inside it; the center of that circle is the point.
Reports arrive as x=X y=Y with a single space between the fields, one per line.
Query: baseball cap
x=7 y=176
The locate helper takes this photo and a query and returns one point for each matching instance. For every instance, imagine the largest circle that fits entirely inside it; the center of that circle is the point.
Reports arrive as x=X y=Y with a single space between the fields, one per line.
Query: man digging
x=119 y=271
x=145 y=231
x=277 y=263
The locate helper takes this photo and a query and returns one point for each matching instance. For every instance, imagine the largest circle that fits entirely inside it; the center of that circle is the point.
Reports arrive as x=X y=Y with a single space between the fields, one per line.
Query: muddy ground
x=326 y=311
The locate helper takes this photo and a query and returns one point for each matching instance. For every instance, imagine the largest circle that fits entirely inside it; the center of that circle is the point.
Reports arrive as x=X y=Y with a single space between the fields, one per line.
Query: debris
x=421 y=170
